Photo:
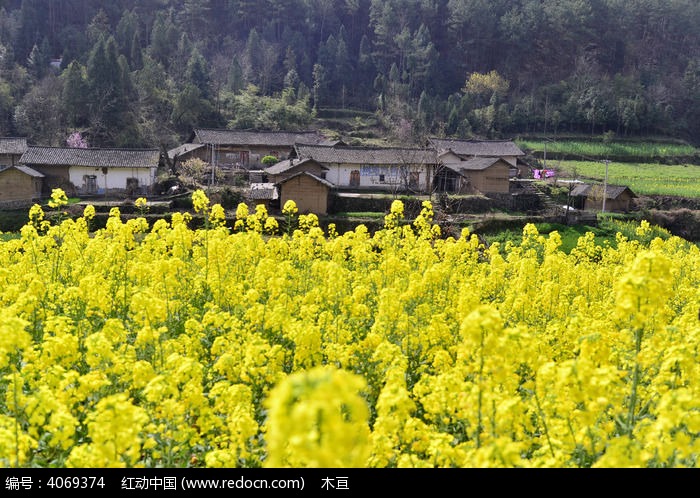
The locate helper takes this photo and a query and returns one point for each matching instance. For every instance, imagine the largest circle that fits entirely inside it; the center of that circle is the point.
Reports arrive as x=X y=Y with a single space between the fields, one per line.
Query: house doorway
x=355 y=178
x=90 y=182
x=413 y=178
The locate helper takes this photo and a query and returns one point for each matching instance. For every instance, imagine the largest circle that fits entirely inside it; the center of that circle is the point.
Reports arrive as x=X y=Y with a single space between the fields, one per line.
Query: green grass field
x=575 y=149
x=361 y=214
x=646 y=179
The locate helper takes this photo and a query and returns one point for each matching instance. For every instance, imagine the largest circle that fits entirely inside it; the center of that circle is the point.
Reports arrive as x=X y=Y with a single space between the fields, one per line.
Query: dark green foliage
x=572 y=66
x=231 y=198
x=12 y=220
x=74 y=96
x=111 y=95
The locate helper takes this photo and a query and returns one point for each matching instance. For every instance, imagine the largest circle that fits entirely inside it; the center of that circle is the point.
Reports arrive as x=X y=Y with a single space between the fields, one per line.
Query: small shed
x=20 y=183
x=590 y=197
x=263 y=193
x=450 y=179
x=308 y=191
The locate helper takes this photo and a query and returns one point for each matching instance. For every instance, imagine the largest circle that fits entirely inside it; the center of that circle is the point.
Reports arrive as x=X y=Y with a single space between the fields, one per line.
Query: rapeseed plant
x=138 y=346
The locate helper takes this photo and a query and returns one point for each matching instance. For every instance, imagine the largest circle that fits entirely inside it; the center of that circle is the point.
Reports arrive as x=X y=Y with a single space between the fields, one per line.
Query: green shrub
x=269 y=160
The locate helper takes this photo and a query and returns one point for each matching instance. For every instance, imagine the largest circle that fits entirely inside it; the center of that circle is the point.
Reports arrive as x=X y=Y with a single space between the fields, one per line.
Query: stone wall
x=17 y=204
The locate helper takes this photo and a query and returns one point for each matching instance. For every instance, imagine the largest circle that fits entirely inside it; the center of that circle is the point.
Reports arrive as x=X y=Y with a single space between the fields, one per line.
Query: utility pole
x=211 y=183
x=544 y=130
x=605 y=185
x=545 y=154
x=568 y=203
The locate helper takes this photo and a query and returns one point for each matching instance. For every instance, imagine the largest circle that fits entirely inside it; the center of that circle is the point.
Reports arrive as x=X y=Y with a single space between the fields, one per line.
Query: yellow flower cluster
x=173 y=346
x=58 y=198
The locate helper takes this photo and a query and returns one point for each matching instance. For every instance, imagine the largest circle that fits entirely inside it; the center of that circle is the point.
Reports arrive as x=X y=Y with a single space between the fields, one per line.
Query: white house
x=373 y=168
x=94 y=171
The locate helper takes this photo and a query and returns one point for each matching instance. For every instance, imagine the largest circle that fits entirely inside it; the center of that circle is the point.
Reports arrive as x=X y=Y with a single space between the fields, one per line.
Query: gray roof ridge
x=365 y=147
x=57 y=147
x=257 y=131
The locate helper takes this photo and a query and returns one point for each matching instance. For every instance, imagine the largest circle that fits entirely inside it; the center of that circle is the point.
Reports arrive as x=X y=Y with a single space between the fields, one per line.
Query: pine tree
x=74 y=97
x=235 y=81
x=197 y=74
x=253 y=58
x=32 y=21
x=107 y=93
x=37 y=63
x=136 y=54
x=99 y=27
x=163 y=38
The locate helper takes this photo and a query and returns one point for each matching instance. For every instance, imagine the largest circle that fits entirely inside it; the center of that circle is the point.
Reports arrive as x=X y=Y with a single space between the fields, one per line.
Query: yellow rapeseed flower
x=58 y=198
x=200 y=201
x=318 y=418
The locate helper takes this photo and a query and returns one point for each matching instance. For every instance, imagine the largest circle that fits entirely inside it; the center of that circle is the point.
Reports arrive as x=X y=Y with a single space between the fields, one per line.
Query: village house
x=486 y=175
x=450 y=150
x=387 y=169
x=19 y=184
x=11 y=149
x=471 y=166
x=94 y=171
x=229 y=149
x=590 y=197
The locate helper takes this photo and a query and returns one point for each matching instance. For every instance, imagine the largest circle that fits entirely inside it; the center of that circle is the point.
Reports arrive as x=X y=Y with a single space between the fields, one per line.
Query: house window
x=413 y=179
x=382 y=179
x=322 y=175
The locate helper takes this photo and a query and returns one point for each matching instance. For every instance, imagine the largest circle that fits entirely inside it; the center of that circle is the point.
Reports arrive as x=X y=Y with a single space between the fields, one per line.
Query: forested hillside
x=133 y=73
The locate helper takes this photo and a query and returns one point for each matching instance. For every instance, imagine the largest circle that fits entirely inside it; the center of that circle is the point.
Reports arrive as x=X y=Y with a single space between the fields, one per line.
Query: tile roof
x=366 y=155
x=288 y=164
x=280 y=167
x=494 y=148
x=262 y=191
x=307 y=173
x=13 y=145
x=112 y=158
x=474 y=164
x=612 y=191
x=24 y=169
x=183 y=149
x=332 y=142
x=271 y=138
x=29 y=171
